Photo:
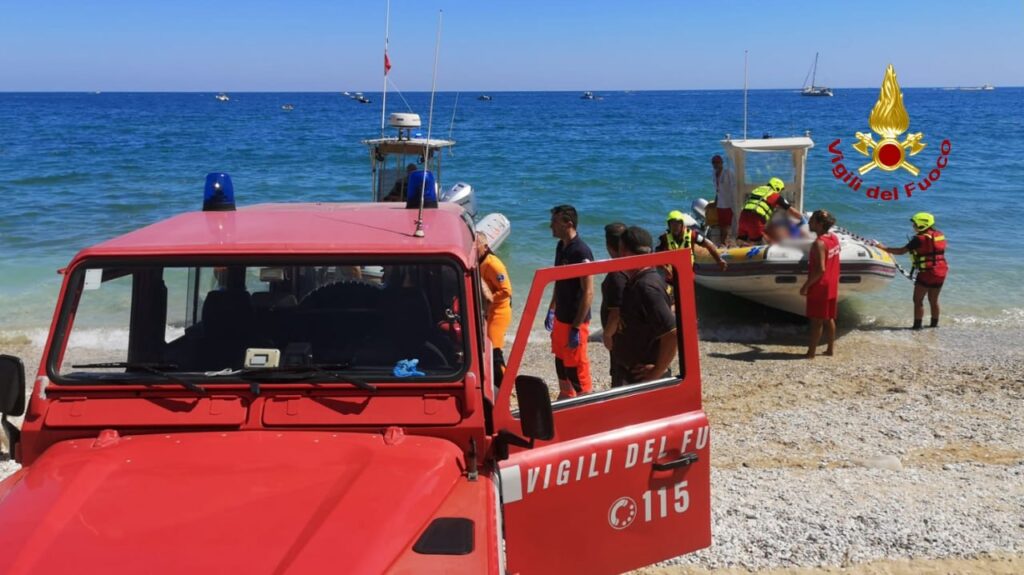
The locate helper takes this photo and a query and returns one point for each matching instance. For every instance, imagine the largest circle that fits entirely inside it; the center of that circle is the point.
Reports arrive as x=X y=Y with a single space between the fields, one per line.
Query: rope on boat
x=873 y=243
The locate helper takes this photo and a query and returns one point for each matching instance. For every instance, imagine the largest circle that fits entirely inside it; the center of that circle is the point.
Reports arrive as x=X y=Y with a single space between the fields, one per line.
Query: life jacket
x=757 y=202
x=930 y=255
x=685 y=244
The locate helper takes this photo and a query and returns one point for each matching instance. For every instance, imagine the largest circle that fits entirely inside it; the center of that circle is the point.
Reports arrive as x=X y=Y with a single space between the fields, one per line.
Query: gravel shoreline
x=903 y=453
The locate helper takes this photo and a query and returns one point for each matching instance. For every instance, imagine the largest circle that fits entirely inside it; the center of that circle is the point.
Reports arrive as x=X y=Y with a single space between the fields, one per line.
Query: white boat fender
x=496 y=227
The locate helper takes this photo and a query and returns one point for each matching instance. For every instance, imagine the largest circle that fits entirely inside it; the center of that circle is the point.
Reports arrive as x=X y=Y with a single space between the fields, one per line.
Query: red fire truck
x=308 y=388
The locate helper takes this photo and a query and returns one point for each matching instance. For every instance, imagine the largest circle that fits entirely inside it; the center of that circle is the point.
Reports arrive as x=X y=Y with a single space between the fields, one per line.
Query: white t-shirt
x=725 y=187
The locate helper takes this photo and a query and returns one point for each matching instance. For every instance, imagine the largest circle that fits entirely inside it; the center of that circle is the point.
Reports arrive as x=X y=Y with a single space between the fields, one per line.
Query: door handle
x=683 y=460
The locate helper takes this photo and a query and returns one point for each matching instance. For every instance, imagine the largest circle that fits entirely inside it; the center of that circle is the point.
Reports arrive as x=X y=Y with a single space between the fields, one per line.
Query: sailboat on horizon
x=813 y=90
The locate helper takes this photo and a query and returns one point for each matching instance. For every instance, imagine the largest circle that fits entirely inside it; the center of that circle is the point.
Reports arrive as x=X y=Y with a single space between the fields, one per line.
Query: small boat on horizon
x=982 y=88
x=587 y=96
x=288 y=107
x=812 y=90
x=484 y=98
x=222 y=97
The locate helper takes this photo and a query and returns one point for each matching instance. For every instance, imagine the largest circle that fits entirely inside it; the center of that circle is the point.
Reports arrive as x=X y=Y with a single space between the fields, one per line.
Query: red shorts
x=751 y=227
x=724 y=217
x=929 y=279
x=820 y=306
x=570 y=357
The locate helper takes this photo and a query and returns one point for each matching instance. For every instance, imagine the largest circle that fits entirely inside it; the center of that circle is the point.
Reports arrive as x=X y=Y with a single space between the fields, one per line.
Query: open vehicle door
x=625 y=480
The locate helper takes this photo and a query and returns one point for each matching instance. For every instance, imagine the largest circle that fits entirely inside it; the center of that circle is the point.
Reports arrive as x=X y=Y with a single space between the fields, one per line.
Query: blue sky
x=260 y=45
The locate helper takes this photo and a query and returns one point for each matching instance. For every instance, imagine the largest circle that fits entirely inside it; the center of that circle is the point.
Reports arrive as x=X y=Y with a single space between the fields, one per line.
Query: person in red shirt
x=822 y=285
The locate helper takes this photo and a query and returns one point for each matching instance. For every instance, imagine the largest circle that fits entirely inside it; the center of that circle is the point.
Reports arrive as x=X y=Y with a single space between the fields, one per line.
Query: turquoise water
x=78 y=168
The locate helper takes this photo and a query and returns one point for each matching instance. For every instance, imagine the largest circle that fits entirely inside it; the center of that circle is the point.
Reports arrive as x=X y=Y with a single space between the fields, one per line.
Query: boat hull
x=772 y=275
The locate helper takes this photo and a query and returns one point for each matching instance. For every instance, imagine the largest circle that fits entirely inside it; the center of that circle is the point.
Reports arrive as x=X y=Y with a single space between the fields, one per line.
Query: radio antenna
x=430 y=123
x=387 y=66
x=451 y=127
x=745 y=94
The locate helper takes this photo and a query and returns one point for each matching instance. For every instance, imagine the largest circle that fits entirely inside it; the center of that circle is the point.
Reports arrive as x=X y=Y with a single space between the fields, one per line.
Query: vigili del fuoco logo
x=889 y=120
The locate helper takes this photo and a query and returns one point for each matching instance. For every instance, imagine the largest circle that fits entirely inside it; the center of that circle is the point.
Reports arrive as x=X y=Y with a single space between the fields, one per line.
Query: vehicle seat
x=409 y=333
x=227 y=329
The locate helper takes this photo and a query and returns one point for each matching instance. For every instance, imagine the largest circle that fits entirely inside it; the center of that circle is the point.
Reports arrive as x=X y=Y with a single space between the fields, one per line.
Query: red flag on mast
x=387 y=64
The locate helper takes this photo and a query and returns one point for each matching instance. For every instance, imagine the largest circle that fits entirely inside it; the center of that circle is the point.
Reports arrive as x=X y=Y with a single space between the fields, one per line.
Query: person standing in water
x=928 y=256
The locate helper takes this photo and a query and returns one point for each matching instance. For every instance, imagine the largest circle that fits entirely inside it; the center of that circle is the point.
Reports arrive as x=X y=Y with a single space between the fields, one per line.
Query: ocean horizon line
x=485 y=91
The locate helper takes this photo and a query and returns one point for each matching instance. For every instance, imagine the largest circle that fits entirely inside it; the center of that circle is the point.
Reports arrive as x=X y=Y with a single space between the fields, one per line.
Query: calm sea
x=78 y=168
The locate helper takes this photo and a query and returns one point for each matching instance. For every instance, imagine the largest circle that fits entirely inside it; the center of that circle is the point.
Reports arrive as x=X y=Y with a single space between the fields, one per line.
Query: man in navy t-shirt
x=568 y=317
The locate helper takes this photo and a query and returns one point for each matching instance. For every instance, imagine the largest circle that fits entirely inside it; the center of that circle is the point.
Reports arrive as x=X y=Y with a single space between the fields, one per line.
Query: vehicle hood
x=238 y=502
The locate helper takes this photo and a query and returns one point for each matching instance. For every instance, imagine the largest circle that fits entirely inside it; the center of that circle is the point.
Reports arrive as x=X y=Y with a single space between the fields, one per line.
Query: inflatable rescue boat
x=772 y=274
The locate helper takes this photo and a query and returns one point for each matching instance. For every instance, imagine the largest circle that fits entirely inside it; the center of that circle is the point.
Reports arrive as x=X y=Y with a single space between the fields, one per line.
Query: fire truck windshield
x=383 y=320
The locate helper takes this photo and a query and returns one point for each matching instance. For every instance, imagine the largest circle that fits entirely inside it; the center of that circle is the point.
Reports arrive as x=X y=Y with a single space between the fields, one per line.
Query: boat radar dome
x=219 y=193
x=404 y=120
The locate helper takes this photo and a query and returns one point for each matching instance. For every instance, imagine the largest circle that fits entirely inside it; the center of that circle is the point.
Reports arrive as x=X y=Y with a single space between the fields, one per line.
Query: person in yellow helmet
x=678 y=236
x=928 y=255
x=761 y=203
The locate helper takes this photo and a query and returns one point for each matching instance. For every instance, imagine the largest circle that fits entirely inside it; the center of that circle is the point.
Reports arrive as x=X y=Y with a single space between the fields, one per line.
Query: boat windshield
x=761 y=166
x=207 y=320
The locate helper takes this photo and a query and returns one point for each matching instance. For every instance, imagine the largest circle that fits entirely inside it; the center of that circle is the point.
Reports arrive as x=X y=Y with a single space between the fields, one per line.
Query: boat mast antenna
x=387 y=66
x=814 y=71
x=451 y=126
x=745 y=94
x=430 y=123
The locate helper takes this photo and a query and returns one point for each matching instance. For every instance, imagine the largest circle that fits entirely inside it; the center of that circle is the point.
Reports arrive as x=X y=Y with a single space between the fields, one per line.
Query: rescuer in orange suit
x=497 y=291
x=928 y=256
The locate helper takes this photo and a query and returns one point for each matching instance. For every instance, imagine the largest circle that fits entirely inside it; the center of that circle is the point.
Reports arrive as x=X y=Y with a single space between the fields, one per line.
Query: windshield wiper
x=302 y=373
x=152 y=368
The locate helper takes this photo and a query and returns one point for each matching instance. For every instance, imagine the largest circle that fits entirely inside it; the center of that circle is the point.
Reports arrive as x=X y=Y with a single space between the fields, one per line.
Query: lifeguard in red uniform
x=928 y=256
x=822 y=285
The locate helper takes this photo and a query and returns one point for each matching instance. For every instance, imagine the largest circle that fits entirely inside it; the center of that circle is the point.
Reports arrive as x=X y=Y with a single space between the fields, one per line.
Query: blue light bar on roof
x=219 y=193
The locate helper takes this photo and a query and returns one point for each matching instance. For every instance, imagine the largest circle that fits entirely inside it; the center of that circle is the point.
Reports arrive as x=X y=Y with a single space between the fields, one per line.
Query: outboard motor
x=462 y=194
x=698 y=208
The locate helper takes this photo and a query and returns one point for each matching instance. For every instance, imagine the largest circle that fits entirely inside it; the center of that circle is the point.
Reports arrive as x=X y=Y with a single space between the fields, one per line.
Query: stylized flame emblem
x=889 y=119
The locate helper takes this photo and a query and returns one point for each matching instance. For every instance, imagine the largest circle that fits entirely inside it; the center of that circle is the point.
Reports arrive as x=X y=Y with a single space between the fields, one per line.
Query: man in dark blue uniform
x=611 y=300
x=646 y=342
x=568 y=317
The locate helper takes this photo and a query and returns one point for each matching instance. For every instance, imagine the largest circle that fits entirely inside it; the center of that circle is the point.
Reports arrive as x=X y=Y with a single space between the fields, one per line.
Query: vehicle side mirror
x=12 y=386
x=535 y=408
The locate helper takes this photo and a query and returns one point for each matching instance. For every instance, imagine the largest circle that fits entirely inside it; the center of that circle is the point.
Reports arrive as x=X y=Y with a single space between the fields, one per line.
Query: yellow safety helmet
x=922 y=221
x=776 y=184
x=676 y=216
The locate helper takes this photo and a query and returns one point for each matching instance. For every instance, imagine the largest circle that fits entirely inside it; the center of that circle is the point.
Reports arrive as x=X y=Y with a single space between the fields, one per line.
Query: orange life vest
x=930 y=254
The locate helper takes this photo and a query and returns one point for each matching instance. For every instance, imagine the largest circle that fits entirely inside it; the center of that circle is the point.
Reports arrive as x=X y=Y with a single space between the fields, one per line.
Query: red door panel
x=599 y=504
x=625 y=481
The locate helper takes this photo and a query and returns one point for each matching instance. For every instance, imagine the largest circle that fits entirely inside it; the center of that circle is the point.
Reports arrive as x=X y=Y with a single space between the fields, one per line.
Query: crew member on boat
x=724 y=185
x=678 y=236
x=928 y=256
x=761 y=203
x=398 y=190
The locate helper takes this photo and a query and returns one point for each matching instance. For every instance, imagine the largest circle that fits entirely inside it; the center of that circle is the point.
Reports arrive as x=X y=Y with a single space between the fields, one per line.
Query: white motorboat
x=223 y=97
x=772 y=274
x=391 y=156
x=812 y=90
